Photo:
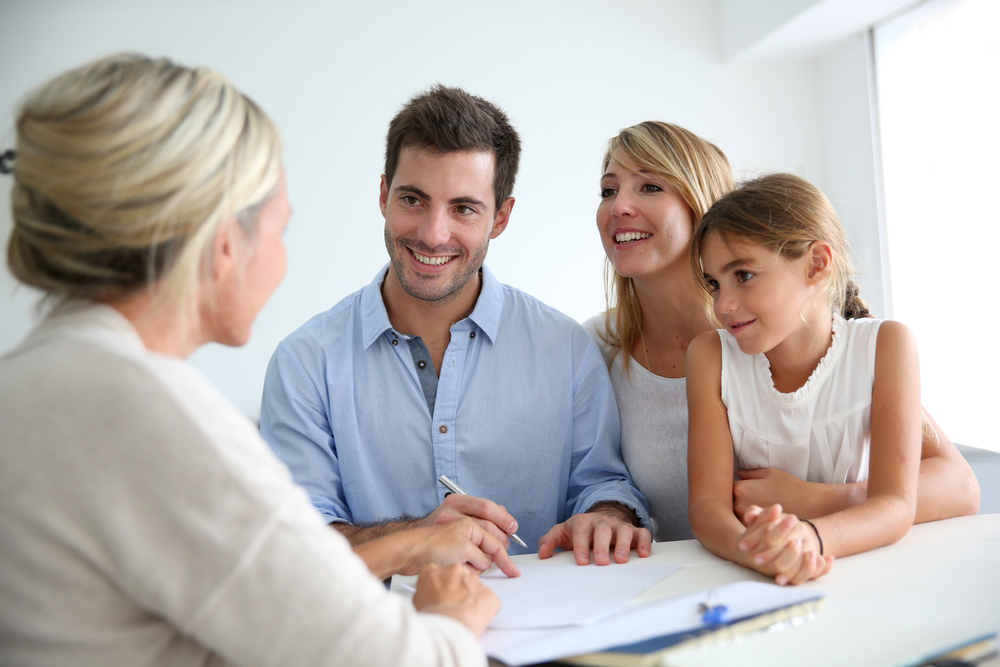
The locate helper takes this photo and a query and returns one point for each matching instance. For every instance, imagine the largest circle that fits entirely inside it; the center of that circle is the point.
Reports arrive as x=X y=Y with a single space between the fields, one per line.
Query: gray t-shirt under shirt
x=654 y=419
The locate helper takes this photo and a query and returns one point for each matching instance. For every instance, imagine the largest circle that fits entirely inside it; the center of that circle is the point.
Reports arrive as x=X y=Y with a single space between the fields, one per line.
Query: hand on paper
x=464 y=542
x=492 y=517
x=456 y=592
x=601 y=529
x=780 y=545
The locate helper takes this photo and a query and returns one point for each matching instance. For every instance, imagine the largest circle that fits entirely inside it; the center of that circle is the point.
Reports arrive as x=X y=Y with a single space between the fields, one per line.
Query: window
x=938 y=82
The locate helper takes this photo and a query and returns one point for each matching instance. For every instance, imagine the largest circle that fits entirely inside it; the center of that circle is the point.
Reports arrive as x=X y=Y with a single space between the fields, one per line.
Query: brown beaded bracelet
x=816 y=530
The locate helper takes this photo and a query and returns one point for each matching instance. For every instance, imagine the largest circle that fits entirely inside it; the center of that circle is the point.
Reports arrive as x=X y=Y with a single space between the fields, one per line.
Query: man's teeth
x=631 y=236
x=433 y=261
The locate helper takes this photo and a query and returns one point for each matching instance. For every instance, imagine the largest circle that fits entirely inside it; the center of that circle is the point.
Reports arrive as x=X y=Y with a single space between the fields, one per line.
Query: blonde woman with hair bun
x=657 y=181
x=143 y=519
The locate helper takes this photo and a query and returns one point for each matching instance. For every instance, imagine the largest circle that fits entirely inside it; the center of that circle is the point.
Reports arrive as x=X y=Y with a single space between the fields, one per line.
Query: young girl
x=801 y=379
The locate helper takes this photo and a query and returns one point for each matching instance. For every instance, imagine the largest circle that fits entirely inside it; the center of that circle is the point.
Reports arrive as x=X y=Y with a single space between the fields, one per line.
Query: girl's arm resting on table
x=775 y=544
x=947 y=486
x=710 y=453
x=894 y=458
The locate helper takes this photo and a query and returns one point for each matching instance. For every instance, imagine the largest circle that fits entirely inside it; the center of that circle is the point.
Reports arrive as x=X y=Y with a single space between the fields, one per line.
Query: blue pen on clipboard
x=455 y=488
x=713 y=611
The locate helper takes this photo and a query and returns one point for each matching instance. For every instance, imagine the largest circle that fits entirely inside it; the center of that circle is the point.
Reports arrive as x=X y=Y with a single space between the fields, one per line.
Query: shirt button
x=421 y=365
x=472 y=335
x=443 y=428
x=395 y=342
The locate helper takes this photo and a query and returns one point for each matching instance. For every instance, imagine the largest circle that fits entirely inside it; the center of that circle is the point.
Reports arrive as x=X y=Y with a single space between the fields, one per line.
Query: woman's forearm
x=947 y=486
x=806 y=500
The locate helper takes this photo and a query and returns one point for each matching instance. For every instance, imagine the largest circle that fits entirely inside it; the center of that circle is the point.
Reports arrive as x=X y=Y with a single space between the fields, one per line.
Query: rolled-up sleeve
x=294 y=421
x=598 y=473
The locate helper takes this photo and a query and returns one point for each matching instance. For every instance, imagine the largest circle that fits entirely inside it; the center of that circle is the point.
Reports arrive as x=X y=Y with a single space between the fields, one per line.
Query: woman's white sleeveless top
x=821 y=432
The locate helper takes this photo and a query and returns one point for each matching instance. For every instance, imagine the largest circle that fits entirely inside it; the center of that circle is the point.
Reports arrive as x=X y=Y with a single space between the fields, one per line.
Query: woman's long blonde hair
x=125 y=170
x=696 y=169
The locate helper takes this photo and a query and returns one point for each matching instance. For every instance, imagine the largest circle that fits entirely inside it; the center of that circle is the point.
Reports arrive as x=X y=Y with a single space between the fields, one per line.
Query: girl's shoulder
x=894 y=336
x=889 y=327
x=872 y=344
x=704 y=365
x=705 y=346
x=883 y=333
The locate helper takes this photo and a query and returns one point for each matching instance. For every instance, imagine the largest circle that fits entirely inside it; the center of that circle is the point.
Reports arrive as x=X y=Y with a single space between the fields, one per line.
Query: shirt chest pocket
x=753 y=451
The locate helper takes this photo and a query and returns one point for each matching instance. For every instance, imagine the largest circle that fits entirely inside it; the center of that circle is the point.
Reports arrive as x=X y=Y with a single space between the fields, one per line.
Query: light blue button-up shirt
x=524 y=414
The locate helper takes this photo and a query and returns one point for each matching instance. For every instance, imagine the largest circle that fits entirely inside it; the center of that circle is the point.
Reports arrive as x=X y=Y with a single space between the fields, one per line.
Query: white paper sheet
x=549 y=595
x=638 y=622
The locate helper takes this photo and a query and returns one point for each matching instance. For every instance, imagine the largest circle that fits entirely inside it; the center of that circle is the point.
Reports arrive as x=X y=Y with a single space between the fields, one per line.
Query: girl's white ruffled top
x=822 y=431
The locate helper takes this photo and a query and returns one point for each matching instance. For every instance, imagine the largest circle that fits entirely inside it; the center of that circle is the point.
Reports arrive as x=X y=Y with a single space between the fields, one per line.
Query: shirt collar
x=486 y=314
x=375 y=318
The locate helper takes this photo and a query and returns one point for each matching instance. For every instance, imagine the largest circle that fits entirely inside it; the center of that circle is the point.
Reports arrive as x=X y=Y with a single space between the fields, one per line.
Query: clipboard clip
x=712 y=610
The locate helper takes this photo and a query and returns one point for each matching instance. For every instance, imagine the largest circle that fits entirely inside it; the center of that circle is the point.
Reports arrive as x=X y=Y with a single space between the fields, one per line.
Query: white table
x=938 y=585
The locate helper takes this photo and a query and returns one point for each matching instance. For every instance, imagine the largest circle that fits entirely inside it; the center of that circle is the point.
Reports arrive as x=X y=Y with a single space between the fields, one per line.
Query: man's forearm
x=365 y=532
x=388 y=554
x=615 y=509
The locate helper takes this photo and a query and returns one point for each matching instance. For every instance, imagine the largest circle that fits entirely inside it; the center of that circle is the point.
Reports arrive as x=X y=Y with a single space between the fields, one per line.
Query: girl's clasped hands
x=783 y=546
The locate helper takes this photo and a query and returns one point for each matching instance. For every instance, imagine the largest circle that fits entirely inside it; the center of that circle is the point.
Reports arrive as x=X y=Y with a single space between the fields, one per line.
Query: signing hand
x=779 y=545
x=456 y=592
x=600 y=528
x=492 y=517
x=463 y=542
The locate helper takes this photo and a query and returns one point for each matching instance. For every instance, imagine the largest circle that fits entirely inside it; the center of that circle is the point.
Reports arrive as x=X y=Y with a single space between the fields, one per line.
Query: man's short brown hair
x=450 y=119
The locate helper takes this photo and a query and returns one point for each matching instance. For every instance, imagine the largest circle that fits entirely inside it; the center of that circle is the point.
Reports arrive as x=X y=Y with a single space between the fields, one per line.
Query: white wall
x=570 y=74
x=849 y=160
x=797 y=28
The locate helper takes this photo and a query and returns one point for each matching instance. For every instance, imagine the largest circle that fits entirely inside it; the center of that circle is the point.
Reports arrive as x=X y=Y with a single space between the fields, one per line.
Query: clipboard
x=652 y=652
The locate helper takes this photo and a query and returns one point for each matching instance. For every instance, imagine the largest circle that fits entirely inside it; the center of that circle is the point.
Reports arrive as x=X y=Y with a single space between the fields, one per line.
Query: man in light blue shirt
x=437 y=368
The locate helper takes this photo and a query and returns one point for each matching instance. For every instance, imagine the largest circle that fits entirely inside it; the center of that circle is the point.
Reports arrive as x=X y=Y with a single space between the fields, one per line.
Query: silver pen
x=455 y=488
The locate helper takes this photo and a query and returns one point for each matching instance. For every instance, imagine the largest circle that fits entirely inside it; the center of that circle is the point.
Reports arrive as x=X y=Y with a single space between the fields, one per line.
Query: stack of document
x=556 y=611
x=561 y=595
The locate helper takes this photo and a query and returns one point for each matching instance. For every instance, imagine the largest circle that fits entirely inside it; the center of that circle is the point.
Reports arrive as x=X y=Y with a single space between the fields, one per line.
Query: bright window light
x=938 y=79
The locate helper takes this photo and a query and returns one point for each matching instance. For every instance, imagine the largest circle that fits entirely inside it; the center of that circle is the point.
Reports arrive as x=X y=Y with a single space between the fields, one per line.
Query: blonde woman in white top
x=142 y=519
x=657 y=181
x=799 y=381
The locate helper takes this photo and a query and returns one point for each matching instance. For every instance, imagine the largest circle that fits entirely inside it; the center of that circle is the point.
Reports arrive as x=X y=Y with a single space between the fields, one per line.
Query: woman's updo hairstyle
x=785 y=214
x=126 y=168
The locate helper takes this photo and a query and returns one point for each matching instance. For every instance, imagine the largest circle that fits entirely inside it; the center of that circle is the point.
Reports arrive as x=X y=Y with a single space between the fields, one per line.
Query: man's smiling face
x=440 y=215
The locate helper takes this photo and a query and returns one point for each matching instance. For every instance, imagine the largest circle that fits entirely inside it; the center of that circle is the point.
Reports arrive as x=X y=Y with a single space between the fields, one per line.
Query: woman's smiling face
x=644 y=224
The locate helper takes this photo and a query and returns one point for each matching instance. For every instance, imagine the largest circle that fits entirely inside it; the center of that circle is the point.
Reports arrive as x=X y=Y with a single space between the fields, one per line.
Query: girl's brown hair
x=785 y=214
